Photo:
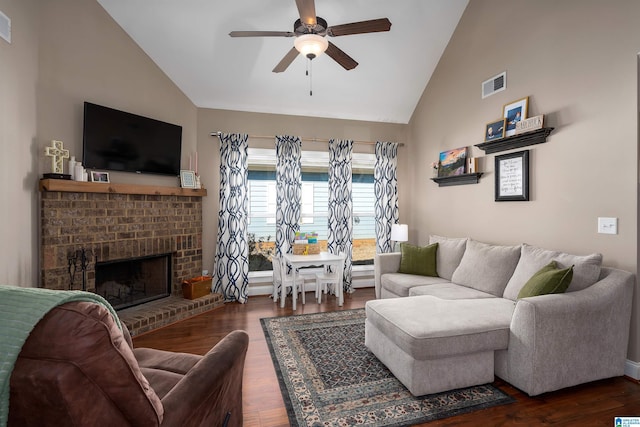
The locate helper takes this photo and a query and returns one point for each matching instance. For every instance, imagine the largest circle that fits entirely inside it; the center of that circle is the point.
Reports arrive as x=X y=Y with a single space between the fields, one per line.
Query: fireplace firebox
x=128 y=282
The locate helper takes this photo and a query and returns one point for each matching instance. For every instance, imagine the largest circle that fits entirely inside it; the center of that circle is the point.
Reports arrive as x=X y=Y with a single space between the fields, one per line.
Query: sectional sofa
x=465 y=322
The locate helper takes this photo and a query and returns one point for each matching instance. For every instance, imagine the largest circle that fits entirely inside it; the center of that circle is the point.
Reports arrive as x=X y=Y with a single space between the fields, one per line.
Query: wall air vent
x=5 y=27
x=494 y=85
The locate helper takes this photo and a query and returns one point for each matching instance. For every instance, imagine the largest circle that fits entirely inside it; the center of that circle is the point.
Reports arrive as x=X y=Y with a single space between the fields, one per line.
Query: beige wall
x=578 y=65
x=64 y=53
x=18 y=166
x=86 y=56
x=273 y=124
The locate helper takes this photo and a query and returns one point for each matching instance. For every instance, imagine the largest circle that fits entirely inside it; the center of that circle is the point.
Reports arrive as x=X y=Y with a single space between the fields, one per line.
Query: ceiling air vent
x=494 y=84
x=5 y=27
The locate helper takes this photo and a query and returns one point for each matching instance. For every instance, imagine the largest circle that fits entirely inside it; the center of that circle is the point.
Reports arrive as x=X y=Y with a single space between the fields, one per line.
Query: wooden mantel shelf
x=97 y=187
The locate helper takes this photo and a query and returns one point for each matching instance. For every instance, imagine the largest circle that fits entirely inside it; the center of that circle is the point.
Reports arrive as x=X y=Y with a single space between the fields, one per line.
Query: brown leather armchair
x=78 y=368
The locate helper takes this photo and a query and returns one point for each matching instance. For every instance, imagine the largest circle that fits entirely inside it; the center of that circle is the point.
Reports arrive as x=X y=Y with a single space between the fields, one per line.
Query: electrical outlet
x=607 y=225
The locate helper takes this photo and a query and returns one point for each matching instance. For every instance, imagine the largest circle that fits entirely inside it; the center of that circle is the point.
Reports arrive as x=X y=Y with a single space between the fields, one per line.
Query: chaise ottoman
x=433 y=345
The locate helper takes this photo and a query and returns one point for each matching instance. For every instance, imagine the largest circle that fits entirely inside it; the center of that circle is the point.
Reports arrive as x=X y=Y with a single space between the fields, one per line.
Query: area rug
x=329 y=378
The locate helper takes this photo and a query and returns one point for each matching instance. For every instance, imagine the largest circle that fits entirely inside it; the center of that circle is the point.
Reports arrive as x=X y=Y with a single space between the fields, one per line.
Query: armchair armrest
x=385 y=263
x=212 y=388
x=562 y=340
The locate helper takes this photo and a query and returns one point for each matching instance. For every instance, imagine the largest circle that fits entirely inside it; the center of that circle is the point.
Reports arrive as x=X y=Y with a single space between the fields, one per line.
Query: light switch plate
x=607 y=225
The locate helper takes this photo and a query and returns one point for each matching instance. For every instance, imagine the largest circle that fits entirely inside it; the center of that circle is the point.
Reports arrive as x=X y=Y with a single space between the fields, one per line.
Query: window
x=272 y=197
x=314 y=204
x=307 y=201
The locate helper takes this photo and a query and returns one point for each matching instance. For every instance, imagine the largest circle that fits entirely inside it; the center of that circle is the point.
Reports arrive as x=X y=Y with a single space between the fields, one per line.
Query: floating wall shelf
x=538 y=136
x=464 y=179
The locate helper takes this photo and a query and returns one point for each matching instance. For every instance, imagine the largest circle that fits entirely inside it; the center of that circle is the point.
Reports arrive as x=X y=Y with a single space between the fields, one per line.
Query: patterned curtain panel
x=289 y=191
x=341 y=205
x=386 y=189
x=232 y=256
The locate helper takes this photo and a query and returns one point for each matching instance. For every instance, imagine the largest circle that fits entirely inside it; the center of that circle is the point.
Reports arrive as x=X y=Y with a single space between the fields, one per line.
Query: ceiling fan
x=310 y=32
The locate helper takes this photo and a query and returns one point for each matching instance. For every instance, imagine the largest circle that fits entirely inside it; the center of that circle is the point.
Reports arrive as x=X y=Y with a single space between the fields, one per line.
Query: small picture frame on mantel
x=187 y=179
x=100 y=177
x=512 y=177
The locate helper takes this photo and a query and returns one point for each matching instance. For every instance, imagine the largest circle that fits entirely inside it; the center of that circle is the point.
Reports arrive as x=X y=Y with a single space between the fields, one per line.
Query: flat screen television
x=119 y=141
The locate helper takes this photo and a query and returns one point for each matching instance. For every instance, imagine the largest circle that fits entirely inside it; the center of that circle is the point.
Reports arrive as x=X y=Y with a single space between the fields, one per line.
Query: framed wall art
x=452 y=162
x=513 y=113
x=494 y=130
x=512 y=177
x=187 y=179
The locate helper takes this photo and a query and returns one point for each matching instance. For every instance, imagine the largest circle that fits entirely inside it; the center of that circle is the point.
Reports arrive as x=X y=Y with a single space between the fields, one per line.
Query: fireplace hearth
x=128 y=282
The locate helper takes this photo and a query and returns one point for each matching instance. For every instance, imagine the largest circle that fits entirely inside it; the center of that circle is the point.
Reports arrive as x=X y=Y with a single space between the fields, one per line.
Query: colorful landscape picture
x=453 y=162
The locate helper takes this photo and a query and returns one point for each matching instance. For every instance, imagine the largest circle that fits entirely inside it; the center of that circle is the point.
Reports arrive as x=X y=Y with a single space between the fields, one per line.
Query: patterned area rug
x=329 y=378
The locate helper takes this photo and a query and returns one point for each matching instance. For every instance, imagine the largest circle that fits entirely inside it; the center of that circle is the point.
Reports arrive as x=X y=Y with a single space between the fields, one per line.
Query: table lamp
x=399 y=234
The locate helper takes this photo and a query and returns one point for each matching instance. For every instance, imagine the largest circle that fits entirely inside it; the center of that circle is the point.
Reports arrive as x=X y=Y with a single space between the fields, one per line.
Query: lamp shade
x=399 y=232
x=311 y=45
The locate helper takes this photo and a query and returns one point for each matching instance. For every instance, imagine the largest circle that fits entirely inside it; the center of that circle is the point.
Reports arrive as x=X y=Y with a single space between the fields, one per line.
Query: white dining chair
x=328 y=277
x=283 y=280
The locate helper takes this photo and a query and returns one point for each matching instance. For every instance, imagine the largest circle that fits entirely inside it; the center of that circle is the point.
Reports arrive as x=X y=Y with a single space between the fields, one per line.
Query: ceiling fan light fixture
x=311 y=45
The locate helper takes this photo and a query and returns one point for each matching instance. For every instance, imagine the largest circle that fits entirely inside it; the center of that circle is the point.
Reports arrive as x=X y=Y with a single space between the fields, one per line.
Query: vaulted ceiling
x=189 y=40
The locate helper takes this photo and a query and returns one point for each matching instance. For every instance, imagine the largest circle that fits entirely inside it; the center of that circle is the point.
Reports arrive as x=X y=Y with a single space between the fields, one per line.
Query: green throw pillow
x=548 y=280
x=418 y=260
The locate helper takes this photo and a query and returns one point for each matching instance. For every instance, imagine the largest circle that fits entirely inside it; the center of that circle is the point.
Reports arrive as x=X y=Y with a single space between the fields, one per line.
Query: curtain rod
x=307 y=139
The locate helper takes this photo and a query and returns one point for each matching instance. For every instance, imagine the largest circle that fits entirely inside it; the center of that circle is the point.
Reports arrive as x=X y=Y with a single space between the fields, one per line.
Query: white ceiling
x=189 y=41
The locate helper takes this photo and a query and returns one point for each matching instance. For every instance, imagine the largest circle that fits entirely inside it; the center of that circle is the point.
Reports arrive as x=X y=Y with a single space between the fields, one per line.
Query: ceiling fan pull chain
x=310 y=77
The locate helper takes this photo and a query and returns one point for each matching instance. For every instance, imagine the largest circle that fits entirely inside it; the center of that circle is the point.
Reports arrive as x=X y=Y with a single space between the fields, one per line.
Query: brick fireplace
x=117 y=222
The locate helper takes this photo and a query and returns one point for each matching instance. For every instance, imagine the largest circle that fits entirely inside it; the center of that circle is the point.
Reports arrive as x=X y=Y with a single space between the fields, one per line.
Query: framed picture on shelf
x=513 y=113
x=494 y=130
x=100 y=176
x=512 y=177
x=453 y=162
x=187 y=179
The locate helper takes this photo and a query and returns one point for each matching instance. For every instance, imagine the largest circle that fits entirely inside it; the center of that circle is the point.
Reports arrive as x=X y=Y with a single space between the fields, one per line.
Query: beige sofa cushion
x=427 y=327
x=450 y=251
x=400 y=283
x=487 y=268
x=586 y=269
x=448 y=291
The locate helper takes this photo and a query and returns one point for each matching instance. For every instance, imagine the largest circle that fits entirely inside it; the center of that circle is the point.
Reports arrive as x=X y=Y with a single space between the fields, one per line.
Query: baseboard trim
x=632 y=369
x=309 y=286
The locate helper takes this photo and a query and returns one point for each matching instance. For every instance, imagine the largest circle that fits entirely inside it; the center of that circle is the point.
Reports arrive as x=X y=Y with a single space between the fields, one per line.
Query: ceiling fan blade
x=286 y=61
x=372 y=26
x=261 y=34
x=338 y=55
x=307 y=10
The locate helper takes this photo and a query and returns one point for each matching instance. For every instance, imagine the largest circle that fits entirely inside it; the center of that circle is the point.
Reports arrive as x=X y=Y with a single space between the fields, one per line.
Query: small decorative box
x=196 y=287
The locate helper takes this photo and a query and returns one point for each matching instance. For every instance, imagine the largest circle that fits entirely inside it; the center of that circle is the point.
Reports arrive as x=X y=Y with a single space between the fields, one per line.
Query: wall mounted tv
x=118 y=141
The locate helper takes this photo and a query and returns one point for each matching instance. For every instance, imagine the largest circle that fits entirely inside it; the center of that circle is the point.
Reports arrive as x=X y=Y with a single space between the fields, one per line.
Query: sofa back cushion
x=586 y=269
x=485 y=267
x=450 y=251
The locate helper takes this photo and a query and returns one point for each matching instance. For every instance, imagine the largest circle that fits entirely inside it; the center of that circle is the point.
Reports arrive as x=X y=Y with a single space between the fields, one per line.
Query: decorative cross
x=57 y=154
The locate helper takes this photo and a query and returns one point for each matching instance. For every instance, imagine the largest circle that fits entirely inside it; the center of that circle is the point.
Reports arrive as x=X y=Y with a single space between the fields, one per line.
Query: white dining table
x=297 y=261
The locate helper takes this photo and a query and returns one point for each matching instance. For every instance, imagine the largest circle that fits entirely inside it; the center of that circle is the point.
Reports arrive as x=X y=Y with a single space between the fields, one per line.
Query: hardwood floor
x=594 y=404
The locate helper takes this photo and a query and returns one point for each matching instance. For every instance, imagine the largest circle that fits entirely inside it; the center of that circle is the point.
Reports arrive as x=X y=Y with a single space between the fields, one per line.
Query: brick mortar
x=115 y=227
